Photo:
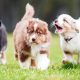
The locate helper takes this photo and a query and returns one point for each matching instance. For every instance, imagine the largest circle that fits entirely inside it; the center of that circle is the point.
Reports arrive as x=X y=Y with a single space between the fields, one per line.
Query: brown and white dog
x=31 y=41
x=69 y=32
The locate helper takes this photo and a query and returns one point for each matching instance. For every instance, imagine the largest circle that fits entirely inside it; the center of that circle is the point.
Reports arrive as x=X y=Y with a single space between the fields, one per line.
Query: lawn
x=56 y=71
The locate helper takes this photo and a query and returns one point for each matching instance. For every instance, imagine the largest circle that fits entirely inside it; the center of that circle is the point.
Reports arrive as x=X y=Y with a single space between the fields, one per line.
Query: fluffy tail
x=29 y=11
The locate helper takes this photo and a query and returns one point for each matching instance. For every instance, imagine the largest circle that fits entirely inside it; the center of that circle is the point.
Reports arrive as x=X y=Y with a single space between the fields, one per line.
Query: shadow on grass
x=70 y=66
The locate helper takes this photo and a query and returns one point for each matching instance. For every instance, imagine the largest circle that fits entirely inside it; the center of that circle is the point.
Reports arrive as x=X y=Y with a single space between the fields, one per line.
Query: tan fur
x=22 y=34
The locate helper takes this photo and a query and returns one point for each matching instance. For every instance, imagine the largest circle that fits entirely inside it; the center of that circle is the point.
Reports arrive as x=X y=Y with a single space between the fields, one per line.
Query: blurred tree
x=11 y=11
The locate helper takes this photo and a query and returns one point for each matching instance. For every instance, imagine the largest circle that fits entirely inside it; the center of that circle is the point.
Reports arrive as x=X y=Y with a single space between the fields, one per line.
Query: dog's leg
x=25 y=61
x=33 y=63
x=2 y=58
x=67 y=57
x=42 y=61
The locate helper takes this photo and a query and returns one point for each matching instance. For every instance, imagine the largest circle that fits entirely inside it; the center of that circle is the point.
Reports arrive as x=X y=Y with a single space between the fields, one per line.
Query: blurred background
x=11 y=11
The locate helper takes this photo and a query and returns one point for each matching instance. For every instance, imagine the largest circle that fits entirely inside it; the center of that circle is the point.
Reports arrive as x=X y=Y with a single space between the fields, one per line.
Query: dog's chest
x=73 y=45
x=35 y=50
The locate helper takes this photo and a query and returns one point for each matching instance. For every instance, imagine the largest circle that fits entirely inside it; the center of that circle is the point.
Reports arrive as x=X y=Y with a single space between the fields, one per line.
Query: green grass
x=56 y=71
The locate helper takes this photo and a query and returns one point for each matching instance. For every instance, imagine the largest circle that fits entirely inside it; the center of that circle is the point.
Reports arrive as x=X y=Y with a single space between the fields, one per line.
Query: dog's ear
x=30 y=24
x=45 y=31
x=45 y=28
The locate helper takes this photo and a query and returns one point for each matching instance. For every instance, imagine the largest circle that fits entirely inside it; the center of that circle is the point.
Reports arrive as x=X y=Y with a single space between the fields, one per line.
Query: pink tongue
x=59 y=30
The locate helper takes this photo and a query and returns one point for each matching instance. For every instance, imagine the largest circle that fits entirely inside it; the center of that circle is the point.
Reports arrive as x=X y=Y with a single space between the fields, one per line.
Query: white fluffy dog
x=69 y=32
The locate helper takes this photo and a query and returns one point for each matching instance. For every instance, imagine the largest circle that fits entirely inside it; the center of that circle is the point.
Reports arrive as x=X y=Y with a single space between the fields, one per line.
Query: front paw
x=43 y=65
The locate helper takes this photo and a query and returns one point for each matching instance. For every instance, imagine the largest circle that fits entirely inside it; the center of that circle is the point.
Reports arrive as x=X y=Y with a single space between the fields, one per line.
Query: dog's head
x=65 y=23
x=36 y=31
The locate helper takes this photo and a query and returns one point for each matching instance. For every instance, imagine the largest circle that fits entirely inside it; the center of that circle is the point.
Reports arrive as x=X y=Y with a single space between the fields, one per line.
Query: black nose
x=56 y=21
x=33 y=39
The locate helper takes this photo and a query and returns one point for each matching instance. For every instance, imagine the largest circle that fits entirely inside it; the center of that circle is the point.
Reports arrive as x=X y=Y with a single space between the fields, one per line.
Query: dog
x=31 y=41
x=68 y=29
x=3 y=43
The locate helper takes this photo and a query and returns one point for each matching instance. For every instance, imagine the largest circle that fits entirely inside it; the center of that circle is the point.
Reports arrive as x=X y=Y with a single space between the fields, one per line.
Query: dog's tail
x=29 y=11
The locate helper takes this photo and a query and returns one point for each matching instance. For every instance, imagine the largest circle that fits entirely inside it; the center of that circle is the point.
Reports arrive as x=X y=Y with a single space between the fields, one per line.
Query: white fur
x=42 y=60
x=2 y=60
x=35 y=26
x=31 y=37
x=67 y=57
x=73 y=46
x=65 y=16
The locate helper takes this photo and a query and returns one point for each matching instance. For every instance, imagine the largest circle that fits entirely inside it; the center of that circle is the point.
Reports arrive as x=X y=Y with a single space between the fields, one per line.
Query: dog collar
x=68 y=39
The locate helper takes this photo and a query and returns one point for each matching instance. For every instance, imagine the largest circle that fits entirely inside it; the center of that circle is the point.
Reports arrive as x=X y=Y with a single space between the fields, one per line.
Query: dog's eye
x=30 y=31
x=65 y=20
x=39 y=32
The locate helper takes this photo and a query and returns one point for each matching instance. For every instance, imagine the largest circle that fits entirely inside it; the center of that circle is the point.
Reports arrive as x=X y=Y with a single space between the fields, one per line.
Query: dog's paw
x=43 y=63
x=43 y=66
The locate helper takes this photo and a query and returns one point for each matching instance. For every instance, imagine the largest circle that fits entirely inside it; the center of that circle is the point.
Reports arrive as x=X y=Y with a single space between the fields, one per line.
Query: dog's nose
x=56 y=21
x=33 y=39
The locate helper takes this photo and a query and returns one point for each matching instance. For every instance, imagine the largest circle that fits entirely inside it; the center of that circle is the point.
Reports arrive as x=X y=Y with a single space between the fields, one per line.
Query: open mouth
x=34 y=43
x=59 y=29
